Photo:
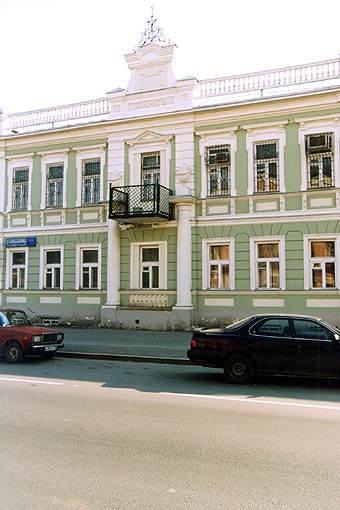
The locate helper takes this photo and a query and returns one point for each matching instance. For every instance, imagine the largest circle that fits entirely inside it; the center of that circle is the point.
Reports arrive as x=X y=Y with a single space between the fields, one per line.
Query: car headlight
x=37 y=339
x=60 y=338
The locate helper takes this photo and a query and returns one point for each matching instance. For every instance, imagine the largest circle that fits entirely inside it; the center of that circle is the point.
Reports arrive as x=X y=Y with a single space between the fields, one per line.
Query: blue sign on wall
x=21 y=242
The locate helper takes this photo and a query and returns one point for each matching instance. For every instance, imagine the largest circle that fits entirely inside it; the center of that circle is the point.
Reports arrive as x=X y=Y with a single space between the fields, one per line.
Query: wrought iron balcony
x=139 y=204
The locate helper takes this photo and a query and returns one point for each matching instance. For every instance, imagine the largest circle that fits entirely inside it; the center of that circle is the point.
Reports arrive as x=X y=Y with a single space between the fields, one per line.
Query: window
x=54 y=186
x=266 y=147
x=52 y=269
x=268 y=265
x=89 y=269
x=322 y=256
x=90 y=164
x=149 y=158
x=91 y=182
x=219 y=276
x=266 y=166
x=217 y=150
x=150 y=268
x=307 y=329
x=320 y=160
x=17 y=276
x=218 y=264
x=150 y=174
x=20 y=189
x=272 y=327
x=217 y=161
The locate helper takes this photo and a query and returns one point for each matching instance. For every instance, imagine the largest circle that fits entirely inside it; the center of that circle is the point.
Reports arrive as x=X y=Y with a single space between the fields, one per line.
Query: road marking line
x=10 y=379
x=254 y=401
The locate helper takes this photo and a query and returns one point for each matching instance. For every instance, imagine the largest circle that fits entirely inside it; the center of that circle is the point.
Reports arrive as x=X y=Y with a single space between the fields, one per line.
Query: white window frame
x=206 y=243
x=312 y=127
x=146 y=143
x=148 y=268
x=16 y=164
x=42 y=272
x=261 y=134
x=307 y=239
x=9 y=266
x=89 y=154
x=79 y=249
x=212 y=138
x=51 y=160
x=254 y=241
x=136 y=263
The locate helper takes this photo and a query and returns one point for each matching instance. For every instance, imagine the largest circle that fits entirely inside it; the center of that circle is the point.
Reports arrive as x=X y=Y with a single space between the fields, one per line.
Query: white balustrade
x=283 y=77
x=59 y=113
x=148 y=300
x=239 y=86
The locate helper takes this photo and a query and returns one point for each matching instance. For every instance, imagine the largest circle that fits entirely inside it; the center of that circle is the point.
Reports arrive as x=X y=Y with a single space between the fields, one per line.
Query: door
x=274 y=348
x=318 y=353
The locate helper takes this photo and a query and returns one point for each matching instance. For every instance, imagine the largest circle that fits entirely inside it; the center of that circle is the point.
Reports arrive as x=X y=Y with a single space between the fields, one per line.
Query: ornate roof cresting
x=152 y=34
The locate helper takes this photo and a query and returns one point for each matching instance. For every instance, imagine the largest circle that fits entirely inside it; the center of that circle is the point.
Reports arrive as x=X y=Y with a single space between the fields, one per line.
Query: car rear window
x=238 y=324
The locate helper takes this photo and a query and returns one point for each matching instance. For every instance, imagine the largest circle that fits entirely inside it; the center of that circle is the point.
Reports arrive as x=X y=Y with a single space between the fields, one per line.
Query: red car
x=19 y=337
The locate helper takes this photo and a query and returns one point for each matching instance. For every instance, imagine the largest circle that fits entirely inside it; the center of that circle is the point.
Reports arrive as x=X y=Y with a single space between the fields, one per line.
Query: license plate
x=50 y=348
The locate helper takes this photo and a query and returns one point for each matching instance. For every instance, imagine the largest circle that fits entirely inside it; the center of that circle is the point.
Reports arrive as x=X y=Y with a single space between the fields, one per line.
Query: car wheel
x=239 y=369
x=14 y=352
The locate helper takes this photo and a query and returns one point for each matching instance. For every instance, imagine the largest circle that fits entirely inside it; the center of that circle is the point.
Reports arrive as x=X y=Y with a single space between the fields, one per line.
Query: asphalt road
x=96 y=435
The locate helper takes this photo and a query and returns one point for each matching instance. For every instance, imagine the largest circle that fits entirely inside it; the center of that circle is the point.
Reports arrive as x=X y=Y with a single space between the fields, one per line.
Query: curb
x=123 y=357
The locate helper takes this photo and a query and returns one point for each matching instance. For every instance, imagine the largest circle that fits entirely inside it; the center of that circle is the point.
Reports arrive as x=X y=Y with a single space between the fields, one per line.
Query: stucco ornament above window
x=152 y=34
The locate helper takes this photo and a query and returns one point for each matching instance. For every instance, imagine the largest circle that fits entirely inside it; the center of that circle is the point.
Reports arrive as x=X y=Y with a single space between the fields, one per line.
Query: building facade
x=174 y=202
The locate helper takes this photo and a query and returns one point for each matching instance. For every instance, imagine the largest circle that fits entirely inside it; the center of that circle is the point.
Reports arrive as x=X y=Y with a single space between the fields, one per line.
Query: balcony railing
x=139 y=204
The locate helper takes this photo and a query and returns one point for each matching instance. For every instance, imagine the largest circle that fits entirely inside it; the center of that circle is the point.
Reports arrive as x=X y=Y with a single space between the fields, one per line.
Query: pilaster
x=185 y=212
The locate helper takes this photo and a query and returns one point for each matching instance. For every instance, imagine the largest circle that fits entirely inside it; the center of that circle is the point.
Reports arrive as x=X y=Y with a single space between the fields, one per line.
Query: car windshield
x=14 y=318
x=335 y=329
x=238 y=324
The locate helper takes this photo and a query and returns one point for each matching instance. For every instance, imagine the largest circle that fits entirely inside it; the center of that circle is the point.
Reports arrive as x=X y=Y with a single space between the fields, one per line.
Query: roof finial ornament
x=152 y=34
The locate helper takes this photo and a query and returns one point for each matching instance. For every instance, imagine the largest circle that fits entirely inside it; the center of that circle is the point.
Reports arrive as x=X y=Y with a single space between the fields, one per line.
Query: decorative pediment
x=150 y=68
x=149 y=137
x=152 y=87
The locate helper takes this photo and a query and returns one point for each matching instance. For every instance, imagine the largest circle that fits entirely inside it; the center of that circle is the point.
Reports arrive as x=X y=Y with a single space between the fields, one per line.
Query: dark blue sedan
x=269 y=344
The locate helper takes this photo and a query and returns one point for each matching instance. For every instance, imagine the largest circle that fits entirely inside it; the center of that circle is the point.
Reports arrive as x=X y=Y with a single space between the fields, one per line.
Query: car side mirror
x=336 y=337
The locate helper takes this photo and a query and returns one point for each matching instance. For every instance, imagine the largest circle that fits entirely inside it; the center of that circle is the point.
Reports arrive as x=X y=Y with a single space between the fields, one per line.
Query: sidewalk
x=126 y=345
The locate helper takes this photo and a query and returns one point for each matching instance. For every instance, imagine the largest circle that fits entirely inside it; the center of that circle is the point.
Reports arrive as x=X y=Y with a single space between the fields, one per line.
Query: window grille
x=91 y=182
x=150 y=174
x=54 y=186
x=20 y=188
x=320 y=160
x=217 y=162
x=266 y=163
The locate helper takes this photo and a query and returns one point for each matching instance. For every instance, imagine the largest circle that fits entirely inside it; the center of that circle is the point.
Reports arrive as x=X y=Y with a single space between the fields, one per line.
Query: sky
x=57 y=52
